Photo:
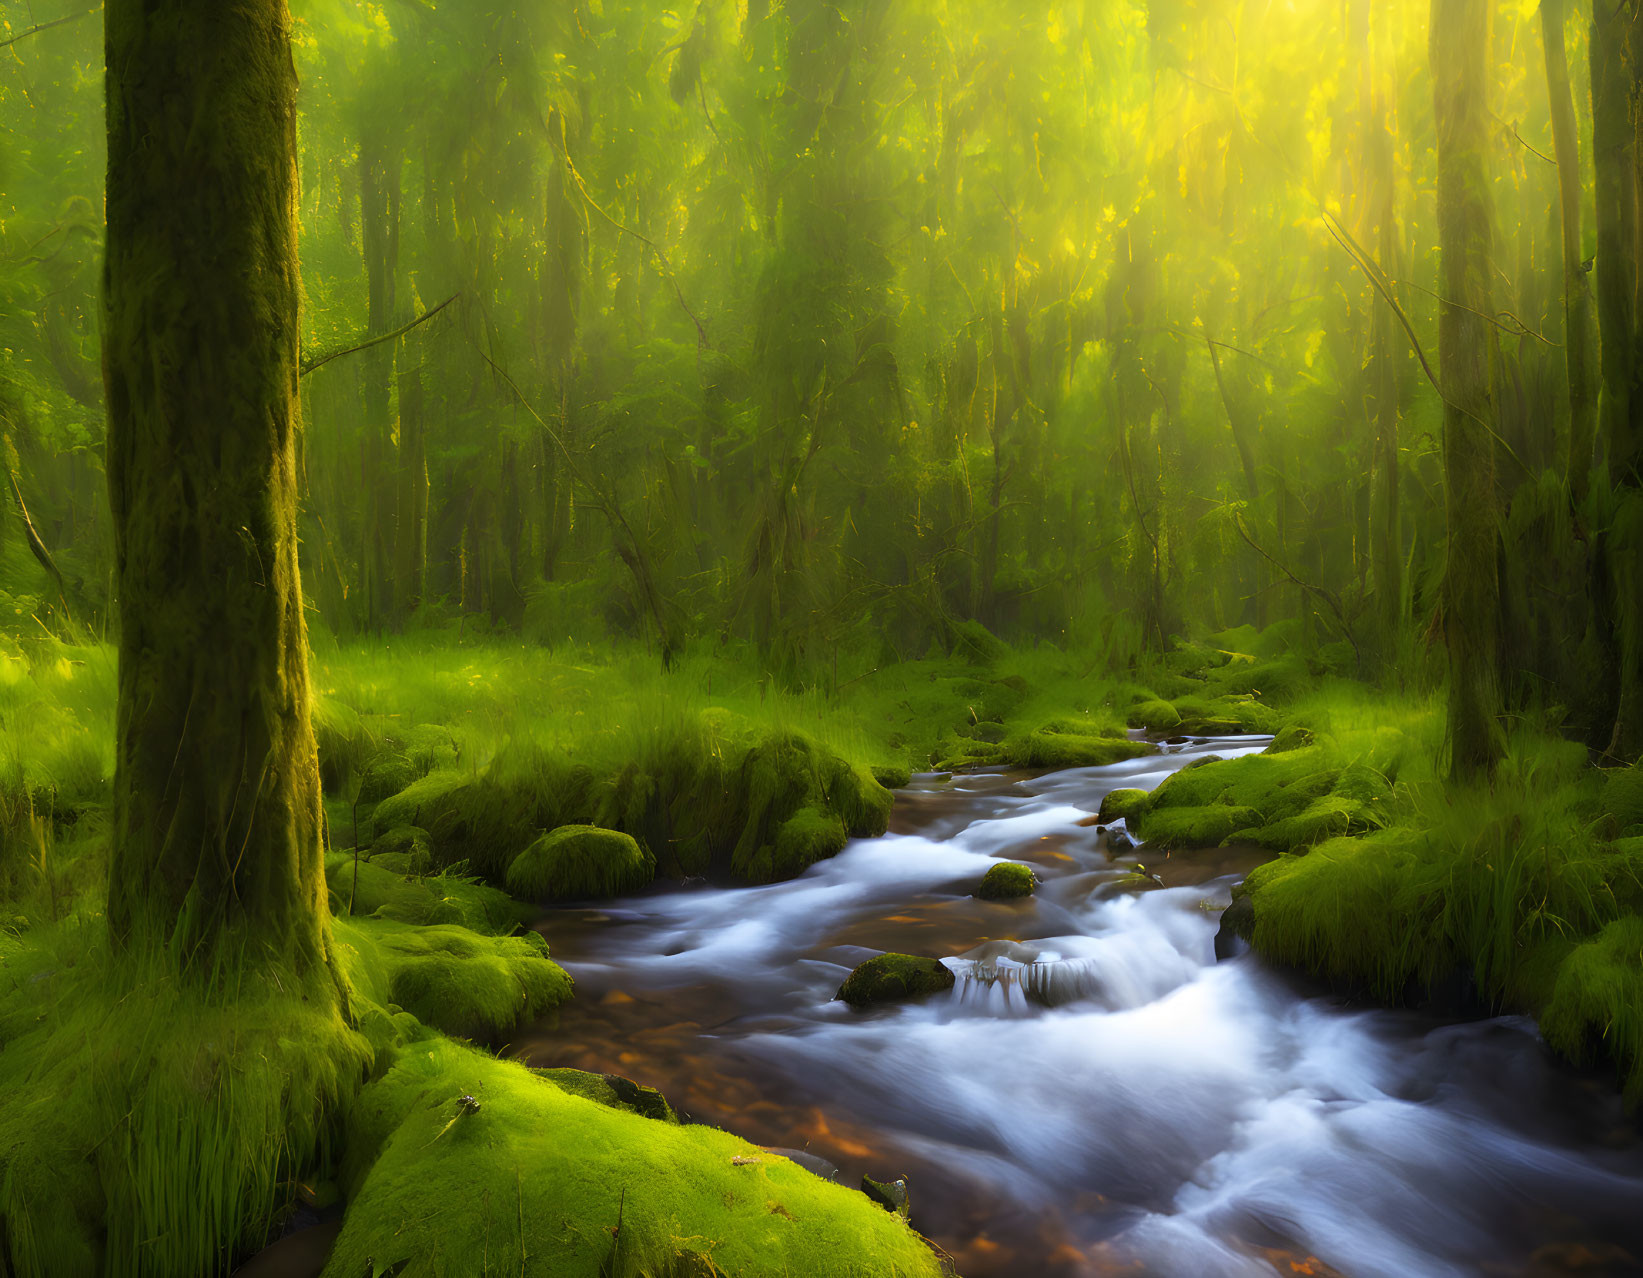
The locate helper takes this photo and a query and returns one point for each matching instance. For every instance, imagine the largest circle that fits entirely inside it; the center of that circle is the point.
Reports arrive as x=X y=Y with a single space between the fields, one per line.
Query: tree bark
x=1460 y=33
x=1385 y=512
x=1613 y=152
x=1577 y=297
x=217 y=815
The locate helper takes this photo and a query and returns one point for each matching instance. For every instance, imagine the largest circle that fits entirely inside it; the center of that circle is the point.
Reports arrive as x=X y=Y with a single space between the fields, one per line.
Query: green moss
x=1202 y=826
x=1122 y=805
x=383 y=890
x=892 y=776
x=580 y=862
x=420 y=803
x=1623 y=798
x=385 y=776
x=1596 y=1005
x=612 y=1090
x=1292 y=736
x=1048 y=748
x=889 y=977
x=1005 y=881
x=538 y=1178
x=808 y=836
x=859 y=801
x=974 y=642
x=1323 y=818
x=1343 y=905
x=1154 y=716
x=468 y=985
x=154 y=1117
x=405 y=850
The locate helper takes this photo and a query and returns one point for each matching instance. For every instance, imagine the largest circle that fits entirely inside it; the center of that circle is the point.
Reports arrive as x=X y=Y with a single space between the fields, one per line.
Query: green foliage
x=578 y=862
x=155 y=1125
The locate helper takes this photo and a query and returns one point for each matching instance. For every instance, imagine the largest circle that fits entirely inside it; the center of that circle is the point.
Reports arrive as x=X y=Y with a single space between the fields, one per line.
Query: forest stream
x=1097 y=1094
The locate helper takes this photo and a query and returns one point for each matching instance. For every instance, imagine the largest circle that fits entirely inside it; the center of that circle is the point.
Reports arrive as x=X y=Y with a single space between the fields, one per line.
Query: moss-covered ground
x=157 y=1127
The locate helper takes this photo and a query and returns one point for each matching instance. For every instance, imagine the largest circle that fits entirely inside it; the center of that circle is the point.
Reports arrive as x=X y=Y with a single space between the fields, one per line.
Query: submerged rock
x=1119 y=842
x=575 y=862
x=891 y=977
x=1007 y=881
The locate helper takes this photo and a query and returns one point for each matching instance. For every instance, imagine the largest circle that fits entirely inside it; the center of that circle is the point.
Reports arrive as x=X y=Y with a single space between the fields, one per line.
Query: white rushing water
x=1170 y=1112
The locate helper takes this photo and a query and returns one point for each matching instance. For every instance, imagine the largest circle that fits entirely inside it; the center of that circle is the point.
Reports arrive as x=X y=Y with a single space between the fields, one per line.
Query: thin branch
x=1521 y=329
x=1328 y=596
x=1530 y=147
x=1364 y=263
x=47 y=26
x=661 y=257
x=38 y=546
x=319 y=361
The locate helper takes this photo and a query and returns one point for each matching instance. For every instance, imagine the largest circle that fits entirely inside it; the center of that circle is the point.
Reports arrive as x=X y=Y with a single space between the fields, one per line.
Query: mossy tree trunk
x=1386 y=511
x=1577 y=297
x=217 y=816
x=1615 y=204
x=1460 y=32
x=379 y=201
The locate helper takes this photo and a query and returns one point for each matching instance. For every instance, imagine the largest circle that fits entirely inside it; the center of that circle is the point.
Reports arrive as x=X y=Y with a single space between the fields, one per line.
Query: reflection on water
x=1097 y=1095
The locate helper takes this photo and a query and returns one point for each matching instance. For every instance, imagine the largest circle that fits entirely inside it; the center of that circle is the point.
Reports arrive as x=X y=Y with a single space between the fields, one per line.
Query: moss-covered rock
x=468 y=985
x=1154 y=716
x=1623 y=798
x=1596 y=1005
x=1292 y=736
x=406 y=849
x=1121 y=805
x=580 y=862
x=614 y=1091
x=385 y=776
x=1202 y=826
x=422 y=803
x=974 y=642
x=890 y=977
x=454 y=1155
x=381 y=891
x=1005 y=881
x=858 y=800
x=892 y=776
x=1048 y=747
x=808 y=836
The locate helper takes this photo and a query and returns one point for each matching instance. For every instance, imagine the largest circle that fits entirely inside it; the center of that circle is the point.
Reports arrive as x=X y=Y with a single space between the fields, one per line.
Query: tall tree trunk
x=1613 y=152
x=1385 y=517
x=411 y=523
x=216 y=787
x=379 y=199
x=1460 y=34
x=1577 y=297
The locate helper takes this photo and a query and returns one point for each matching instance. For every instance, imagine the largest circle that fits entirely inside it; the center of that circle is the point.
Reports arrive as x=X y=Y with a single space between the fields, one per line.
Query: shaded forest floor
x=466 y=783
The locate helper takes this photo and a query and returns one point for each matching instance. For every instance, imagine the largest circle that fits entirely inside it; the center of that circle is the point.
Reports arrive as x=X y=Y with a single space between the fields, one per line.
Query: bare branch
x=319 y=361
x=47 y=26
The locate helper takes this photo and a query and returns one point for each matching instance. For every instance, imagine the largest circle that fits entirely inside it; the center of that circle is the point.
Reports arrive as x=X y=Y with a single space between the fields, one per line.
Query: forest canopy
x=814 y=325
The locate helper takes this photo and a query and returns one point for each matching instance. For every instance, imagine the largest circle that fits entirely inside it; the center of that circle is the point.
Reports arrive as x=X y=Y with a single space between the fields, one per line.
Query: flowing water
x=1097 y=1094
